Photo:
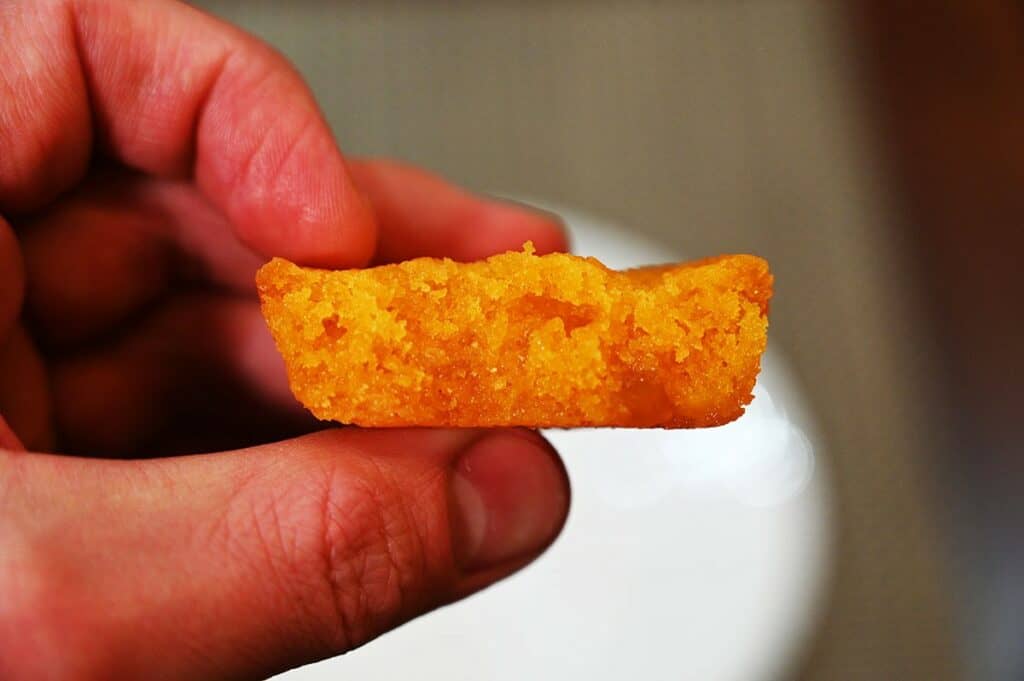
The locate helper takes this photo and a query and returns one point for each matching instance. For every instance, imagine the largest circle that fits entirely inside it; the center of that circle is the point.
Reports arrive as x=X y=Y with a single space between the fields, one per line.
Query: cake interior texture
x=520 y=339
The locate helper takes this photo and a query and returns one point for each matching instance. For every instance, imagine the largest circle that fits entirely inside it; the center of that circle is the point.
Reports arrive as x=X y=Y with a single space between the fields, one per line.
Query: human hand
x=151 y=157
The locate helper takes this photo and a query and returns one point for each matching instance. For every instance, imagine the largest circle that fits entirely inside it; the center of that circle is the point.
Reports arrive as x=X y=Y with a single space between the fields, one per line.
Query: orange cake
x=520 y=339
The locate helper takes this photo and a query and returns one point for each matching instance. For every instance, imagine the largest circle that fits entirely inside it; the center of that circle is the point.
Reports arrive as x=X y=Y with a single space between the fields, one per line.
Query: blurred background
x=873 y=151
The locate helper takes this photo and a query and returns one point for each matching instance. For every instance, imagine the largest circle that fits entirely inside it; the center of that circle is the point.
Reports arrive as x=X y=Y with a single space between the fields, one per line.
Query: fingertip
x=176 y=92
x=510 y=497
x=294 y=199
x=308 y=211
x=267 y=158
x=319 y=237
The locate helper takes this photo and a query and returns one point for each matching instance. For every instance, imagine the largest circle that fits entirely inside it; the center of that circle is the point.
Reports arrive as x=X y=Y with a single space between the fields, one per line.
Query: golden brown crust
x=519 y=339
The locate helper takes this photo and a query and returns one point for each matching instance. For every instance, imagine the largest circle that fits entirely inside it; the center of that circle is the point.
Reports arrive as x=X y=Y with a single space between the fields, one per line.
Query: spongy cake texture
x=519 y=339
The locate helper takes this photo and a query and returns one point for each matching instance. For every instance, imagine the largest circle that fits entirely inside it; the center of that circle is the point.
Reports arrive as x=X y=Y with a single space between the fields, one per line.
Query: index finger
x=171 y=91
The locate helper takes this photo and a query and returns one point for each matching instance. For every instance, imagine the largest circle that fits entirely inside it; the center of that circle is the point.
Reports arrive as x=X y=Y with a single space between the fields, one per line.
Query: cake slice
x=520 y=339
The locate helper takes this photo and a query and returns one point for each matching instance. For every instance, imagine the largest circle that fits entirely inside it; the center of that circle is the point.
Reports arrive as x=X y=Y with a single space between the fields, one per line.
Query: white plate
x=687 y=555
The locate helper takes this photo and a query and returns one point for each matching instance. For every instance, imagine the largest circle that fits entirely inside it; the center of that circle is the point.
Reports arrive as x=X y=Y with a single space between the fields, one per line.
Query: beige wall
x=716 y=126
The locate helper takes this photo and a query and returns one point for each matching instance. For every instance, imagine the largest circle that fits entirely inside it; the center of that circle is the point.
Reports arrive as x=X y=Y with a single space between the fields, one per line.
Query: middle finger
x=114 y=246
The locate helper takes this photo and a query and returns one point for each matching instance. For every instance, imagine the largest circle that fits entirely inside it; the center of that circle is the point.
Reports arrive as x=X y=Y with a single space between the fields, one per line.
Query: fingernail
x=510 y=498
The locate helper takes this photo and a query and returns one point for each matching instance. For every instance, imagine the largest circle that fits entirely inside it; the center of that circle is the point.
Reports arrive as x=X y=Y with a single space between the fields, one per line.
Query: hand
x=151 y=157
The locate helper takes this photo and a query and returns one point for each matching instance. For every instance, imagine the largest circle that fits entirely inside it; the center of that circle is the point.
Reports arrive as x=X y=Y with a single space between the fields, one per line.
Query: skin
x=151 y=157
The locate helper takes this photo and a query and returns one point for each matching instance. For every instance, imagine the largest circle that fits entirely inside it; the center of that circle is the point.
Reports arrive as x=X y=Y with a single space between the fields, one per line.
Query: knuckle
x=374 y=562
x=342 y=548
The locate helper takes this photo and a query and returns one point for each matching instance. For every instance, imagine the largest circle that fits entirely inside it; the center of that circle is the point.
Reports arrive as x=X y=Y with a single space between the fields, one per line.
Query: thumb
x=243 y=564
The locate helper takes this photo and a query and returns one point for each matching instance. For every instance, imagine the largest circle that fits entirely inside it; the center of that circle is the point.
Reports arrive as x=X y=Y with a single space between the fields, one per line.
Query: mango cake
x=520 y=339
